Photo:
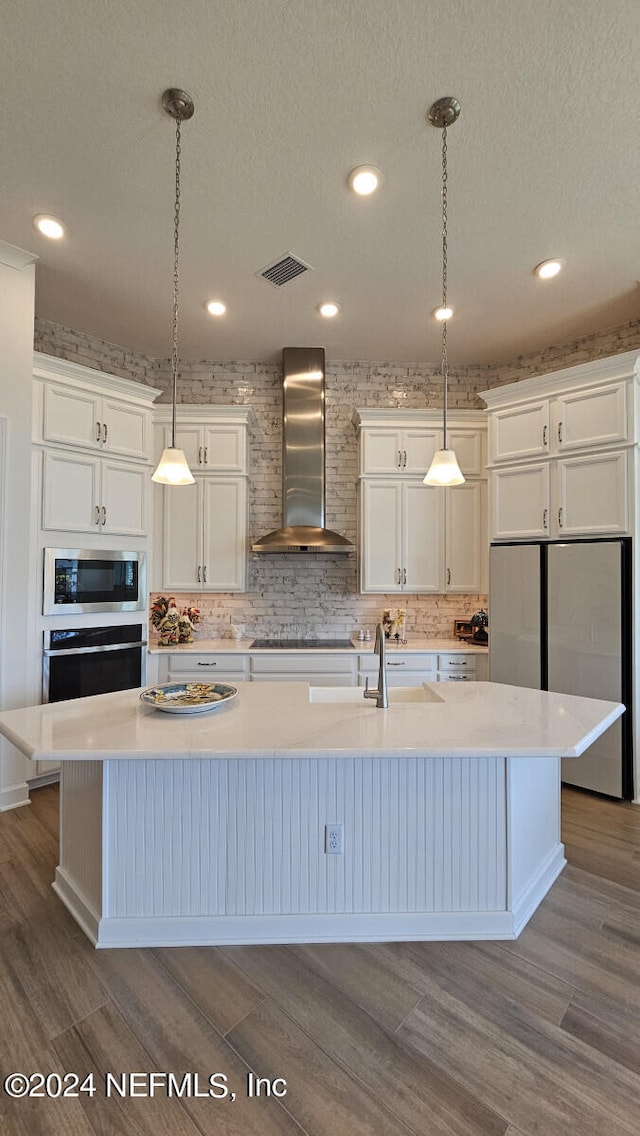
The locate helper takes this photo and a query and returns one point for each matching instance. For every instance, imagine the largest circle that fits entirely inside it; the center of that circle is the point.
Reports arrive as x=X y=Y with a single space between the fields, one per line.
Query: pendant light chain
x=176 y=258
x=445 y=366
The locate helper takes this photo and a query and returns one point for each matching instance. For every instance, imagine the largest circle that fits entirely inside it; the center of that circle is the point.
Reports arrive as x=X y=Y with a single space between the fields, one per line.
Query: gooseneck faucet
x=380 y=695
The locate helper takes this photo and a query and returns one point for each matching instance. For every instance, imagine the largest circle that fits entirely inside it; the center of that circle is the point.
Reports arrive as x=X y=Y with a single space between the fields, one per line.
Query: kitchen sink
x=355 y=694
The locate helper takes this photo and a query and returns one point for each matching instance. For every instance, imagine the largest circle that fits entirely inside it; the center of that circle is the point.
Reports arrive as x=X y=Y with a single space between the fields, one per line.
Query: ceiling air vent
x=284 y=269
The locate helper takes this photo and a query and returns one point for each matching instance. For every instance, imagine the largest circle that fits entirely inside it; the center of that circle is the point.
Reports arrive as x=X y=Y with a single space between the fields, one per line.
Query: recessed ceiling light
x=364 y=180
x=49 y=226
x=216 y=307
x=549 y=268
x=329 y=310
x=443 y=313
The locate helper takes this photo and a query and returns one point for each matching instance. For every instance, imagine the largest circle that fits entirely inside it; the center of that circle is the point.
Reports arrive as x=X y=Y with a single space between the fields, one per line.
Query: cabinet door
x=189 y=439
x=463 y=535
x=422 y=537
x=520 y=502
x=124 y=498
x=590 y=417
x=593 y=494
x=381 y=449
x=468 y=447
x=224 y=448
x=381 y=536
x=519 y=432
x=71 y=417
x=182 y=544
x=70 y=492
x=225 y=534
x=418 y=448
x=125 y=428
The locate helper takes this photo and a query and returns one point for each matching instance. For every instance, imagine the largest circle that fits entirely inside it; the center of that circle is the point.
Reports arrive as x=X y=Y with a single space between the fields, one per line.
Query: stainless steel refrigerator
x=560 y=619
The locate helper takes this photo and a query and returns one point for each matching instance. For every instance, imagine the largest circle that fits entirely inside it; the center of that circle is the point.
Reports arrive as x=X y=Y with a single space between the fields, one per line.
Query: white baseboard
x=77 y=905
x=537 y=888
x=14 y=797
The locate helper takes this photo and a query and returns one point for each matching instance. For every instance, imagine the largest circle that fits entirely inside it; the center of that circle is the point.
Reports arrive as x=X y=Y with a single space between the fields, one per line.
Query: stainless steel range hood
x=303 y=449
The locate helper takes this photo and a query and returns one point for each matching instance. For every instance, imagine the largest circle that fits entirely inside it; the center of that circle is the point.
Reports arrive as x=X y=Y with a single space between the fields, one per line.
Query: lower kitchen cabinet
x=205 y=535
x=401 y=525
x=221 y=667
x=316 y=668
x=411 y=668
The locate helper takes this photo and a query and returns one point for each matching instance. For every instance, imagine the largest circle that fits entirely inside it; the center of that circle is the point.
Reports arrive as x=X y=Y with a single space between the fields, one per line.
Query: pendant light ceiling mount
x=173 y=468
x=444 y=469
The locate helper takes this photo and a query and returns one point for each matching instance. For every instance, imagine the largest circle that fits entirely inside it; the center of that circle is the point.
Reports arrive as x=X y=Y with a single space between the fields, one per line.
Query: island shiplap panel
x=420 y=835
x=81 y=839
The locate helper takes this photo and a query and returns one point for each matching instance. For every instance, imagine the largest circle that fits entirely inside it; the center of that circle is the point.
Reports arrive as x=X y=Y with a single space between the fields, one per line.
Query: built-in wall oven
x=79 y=661
x=78 y=580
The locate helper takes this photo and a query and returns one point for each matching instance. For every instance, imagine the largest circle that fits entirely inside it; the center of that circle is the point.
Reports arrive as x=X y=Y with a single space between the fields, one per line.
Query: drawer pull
x=458 y=664
x=207 y=664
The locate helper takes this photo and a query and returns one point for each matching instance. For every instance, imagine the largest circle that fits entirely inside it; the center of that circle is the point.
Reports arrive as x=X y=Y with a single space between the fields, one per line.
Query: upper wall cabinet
x=76 y=406
x=563 y=452
x=415 y=538
x=202 y=529
x=93 y=434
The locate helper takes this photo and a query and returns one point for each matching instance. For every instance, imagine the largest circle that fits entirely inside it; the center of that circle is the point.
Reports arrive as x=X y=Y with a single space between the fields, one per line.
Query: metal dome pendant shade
x=173 y=467
x=444 y=469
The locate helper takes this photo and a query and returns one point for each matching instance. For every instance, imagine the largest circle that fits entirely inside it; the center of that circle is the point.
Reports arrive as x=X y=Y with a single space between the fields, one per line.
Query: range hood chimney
x=303 y=449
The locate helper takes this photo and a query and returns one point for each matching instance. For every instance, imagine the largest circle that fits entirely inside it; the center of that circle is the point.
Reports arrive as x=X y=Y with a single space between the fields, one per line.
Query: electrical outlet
x=334 y=839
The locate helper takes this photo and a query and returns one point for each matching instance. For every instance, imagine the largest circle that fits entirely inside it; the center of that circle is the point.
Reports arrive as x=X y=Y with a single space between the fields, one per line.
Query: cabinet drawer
x=400 y=661
x=202 y=665
x=457 y=663
x=296 y=666
x=446 y=676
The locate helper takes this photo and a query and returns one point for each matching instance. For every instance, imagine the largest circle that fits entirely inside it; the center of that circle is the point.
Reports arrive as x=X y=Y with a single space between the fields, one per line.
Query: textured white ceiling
x=289 y=96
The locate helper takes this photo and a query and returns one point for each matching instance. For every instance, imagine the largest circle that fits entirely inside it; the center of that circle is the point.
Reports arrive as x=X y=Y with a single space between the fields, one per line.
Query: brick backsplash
x=316 y=594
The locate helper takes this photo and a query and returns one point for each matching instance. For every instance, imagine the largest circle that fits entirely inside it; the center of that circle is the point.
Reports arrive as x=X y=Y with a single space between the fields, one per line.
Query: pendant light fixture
x=444 y=469
x=173 y=468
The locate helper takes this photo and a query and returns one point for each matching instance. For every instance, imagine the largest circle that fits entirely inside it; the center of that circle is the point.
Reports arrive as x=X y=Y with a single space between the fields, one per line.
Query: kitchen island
x=212 y=828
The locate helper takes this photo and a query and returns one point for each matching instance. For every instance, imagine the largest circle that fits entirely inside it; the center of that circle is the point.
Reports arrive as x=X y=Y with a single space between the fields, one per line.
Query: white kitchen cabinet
x=410 y=668
x=519 y=432
x=318 y=668
x=464 y=546
x=592 y=494
x=77 y=407
x=219 y=448
x=88 y=494
x=388 y=449
x=207 y=667
x=597 y=416
x=205 y=535
x=416 y=538
x=401 y=547
x=519 y=504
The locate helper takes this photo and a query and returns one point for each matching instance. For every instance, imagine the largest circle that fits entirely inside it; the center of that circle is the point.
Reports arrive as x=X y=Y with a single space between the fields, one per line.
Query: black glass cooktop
x=301 y=644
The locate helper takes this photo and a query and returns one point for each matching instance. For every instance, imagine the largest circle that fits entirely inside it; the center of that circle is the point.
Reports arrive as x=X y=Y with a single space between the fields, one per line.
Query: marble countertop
x=243 y=647
x=278 y=720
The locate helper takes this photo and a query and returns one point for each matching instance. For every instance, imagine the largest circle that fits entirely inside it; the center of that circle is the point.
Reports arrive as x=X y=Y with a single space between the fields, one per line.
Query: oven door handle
x=50 y=652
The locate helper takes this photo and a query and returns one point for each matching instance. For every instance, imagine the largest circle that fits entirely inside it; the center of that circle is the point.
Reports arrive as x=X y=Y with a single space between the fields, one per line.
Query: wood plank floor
x=539 y=1036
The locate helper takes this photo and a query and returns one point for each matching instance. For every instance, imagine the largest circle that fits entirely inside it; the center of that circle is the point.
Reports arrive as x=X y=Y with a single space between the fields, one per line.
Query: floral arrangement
x=394 y=624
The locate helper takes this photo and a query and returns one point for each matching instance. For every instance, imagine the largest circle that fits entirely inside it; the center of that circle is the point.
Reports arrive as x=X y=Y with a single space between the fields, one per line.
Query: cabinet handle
x=560 y=517
x=452 y=663
x=559 y=431
x=398 y=575
x=199 y=581
x=545 y=517
x=404 y=575
x=396 y=664
x=448 y=575
x=104 y=514
x=97 y=509
x=206 y=455
x=199 y=455
x=207 y=664
x=399 y=462
x=204 y=574
x=544 y=435
x=104 y=431
x=404 y=459
x=98 y=429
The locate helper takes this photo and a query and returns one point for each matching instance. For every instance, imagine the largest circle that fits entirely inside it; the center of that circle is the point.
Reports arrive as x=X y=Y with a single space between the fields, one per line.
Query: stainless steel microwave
x=90 y=579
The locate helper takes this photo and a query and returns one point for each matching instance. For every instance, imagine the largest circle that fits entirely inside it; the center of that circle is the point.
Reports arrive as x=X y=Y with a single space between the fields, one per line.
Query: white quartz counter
x=278 y=720
x=243 y=647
